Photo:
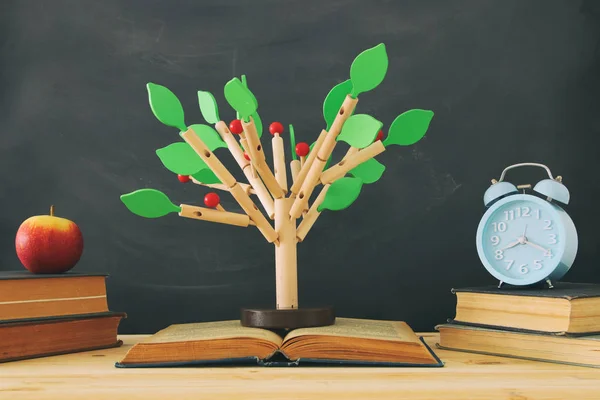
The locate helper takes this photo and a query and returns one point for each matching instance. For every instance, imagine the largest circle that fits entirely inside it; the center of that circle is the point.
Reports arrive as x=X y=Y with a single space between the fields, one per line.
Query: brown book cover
x=27 y=295
x=567 y=309
x=40 y=337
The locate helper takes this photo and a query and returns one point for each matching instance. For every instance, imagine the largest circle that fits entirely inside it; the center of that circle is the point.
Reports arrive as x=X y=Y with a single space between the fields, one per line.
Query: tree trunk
x=286 y=276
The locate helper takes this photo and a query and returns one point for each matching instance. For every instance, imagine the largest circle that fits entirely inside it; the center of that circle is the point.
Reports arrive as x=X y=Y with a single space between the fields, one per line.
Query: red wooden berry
x=183 y=178
x=235 y=126
x=302 y=149
x=246 y=156
x=276 y=127
x=211 y=200
x=379 y=136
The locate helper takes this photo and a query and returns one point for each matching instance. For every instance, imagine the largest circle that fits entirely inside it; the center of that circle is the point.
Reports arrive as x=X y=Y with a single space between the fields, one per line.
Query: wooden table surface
x=92 y=375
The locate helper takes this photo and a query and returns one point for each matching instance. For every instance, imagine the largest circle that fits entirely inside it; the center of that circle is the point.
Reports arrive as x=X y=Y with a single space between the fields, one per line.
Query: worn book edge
x=285 y=362
x=17 y=275
x=60 y=318
x=437 y=345
x=561 y=290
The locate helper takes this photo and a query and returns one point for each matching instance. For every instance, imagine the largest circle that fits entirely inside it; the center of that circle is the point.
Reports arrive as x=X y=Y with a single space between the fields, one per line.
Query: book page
x=396 y=331
x=211 y=331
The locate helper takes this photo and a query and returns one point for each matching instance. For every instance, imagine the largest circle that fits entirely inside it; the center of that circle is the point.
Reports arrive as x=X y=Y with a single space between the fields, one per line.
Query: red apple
x=47 y=244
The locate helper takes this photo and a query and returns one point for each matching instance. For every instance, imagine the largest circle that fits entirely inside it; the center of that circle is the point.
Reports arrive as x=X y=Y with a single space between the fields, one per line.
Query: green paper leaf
x=334 y=100
x=240 y=98
x=255 y=116
x=360 y=130
x=166 y=106
x=368 y=69
x=208 y=107
x=149 y=203
x=293 y=142
x=369 y=171
x=206 y=176
x=181 y=159
x=409 y=127
x=341 y=194
x=209 y=136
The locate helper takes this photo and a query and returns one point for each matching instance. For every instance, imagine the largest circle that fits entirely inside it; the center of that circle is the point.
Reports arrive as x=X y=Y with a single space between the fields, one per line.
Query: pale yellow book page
x=211 y=331
x=395 y=331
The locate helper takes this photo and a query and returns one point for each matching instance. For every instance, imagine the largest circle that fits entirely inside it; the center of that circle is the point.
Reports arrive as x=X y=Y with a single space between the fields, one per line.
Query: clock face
x=522 y=240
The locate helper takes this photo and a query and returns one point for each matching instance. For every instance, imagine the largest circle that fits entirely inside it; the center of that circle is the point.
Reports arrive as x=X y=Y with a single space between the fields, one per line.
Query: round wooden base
x=288 y=319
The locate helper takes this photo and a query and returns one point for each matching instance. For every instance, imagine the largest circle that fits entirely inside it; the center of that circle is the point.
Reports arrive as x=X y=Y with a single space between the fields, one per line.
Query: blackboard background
x=509 y=81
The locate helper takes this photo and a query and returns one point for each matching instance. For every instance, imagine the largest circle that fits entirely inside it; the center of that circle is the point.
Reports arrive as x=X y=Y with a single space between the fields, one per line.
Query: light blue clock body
x=523 y=239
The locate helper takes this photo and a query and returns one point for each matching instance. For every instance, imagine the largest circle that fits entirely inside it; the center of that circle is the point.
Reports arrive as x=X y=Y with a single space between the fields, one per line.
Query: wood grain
x=92 y=376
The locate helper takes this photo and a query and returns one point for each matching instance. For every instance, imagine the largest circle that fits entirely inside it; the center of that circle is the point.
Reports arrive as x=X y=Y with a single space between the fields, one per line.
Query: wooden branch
x=340 y=169
x=295 y=169
x=311 y=216
x=323 y=154
x=286 y=275
x=211 y=215
x=261 y=191
x=244 y=144
x=307 y=164
x=219 y=186
x=279 y=161
x=257 y=158
x=351 y=151
x=234 y=188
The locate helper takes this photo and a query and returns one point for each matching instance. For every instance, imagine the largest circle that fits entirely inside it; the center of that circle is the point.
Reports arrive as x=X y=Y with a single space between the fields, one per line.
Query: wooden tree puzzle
x=285 y=200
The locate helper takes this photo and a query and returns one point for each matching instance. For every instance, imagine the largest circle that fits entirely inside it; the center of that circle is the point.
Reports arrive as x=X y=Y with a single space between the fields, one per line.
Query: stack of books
x=43 y=315
x=560 y=325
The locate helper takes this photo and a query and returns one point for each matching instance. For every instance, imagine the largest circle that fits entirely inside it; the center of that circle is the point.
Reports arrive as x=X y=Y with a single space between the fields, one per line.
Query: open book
x=348 y=341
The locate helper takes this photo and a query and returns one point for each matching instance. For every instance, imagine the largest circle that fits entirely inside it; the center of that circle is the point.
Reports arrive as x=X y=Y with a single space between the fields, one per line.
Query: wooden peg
x=219 y=186
x=279 y=161
x=351 y=151
x=301 y=200
x=295 y=169
x=212 y=215
x=257 y=158
x=255 y=215
x=340 y=169
x=323 y=154
x=209 y=158
x=259 y=187
x=311 y=216
x=244 y=143
x=302 y=160
x=304 y=169
x=220 y=208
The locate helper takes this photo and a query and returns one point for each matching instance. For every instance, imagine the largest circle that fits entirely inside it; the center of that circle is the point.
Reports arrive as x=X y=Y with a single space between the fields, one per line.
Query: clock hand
x=513 y=244
x=525 y=231
x=536 y=246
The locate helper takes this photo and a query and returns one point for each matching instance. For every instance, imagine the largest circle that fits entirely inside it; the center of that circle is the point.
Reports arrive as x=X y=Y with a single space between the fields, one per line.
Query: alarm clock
x=524 y=239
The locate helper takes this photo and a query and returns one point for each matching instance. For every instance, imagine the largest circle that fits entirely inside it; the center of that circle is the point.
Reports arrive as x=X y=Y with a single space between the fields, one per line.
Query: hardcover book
x=581 y=351
x=26 y=295
x=347 y=342
x=38 y=337
x=567 y=309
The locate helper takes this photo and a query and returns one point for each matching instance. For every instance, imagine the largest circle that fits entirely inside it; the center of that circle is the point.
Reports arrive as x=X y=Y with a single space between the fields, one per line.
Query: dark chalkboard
x=509 y=81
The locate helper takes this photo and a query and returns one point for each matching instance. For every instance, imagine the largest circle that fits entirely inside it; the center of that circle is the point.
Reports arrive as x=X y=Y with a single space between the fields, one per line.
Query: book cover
x=563 y=290
x=583 y=351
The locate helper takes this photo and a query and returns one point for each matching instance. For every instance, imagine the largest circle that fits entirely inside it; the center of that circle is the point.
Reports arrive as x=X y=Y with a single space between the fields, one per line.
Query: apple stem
x=51 y=211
